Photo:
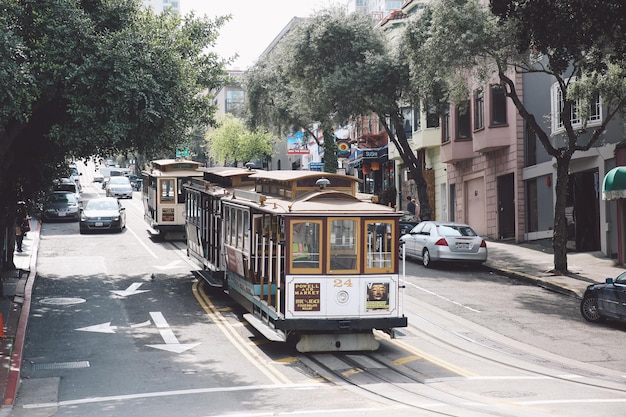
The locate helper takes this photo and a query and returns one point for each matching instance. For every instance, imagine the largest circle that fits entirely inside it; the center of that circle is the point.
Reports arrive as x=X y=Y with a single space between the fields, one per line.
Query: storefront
x=376 y=171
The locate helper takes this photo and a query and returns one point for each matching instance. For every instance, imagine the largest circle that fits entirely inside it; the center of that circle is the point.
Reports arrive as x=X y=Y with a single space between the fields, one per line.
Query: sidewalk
x=532 y=263
x=527 y=262
x=15 y=308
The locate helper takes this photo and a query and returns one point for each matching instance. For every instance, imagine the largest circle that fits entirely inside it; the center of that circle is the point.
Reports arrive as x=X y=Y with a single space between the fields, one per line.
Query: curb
x=521 y=276
x=20 y=334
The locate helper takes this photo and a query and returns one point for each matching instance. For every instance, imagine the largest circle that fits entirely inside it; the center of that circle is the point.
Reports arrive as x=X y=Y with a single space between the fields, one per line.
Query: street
x=119 y=326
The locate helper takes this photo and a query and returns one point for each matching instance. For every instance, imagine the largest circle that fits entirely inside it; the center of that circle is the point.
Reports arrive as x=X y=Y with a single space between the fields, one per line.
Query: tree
x=328 y=69
x=93 y=78
x=454 y=40
x=232 y=142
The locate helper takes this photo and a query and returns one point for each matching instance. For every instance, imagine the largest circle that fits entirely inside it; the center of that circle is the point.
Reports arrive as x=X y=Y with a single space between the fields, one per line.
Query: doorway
x=506 y=206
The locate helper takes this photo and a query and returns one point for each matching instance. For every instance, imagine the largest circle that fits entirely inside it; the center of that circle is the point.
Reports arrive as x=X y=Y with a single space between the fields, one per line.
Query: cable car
x=164 y=198
x=302 y=251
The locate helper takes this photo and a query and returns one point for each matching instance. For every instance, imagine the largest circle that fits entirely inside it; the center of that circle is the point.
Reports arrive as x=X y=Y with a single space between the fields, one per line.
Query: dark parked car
x=104 y=213
x=407 y=222
x=605 y=300
x=61 y=205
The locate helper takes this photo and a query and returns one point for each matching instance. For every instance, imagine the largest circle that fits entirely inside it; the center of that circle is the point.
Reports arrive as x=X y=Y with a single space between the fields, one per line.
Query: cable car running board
x=267 y=331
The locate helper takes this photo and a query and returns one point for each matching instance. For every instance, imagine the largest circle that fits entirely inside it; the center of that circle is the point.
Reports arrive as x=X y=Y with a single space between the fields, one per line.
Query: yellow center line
x=251 y=354
x=428 y=357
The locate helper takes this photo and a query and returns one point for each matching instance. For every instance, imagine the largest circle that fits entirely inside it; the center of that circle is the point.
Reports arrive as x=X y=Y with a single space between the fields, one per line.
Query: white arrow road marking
x=144 y=324
x=107 y=328
x=99 y=328
x=171 y=342
x=171 y=265
x=131 y=290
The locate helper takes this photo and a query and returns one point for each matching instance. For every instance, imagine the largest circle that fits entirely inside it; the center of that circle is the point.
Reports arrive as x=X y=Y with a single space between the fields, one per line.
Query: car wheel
x=589 y=309
x=426 y=261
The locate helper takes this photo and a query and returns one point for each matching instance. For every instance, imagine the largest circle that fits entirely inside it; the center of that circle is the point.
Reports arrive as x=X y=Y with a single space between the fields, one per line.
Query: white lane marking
x=587 y=401
x=141 y=242
x=442 y=297
x=159 y=320
x=171 y=265
x=131 y=290
x=171 y=342
x=522 y=377
x=99 y=328
x=92 y=400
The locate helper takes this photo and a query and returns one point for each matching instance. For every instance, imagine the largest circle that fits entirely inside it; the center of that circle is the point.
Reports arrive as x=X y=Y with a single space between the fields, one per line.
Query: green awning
x=614 y=184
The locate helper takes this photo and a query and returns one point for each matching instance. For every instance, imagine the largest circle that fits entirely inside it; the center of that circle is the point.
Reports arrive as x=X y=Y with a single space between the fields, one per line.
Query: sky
x=254 y=23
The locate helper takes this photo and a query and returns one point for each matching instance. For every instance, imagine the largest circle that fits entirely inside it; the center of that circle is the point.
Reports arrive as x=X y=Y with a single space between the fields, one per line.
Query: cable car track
x=402 y=386
x=506 y=352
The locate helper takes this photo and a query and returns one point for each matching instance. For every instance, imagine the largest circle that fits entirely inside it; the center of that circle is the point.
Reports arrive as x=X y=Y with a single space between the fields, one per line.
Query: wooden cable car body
x=163 y=196
x=301 y=251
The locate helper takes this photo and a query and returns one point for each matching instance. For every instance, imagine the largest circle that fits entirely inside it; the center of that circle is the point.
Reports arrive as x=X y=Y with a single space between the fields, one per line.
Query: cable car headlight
x=343 y=297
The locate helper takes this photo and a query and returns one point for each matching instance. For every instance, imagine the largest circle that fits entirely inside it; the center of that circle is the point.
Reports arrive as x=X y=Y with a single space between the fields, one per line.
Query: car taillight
x=483 y=244
x=441 y=242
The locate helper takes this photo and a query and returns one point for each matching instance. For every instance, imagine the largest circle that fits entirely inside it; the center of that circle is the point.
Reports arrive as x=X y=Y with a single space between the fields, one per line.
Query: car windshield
x=454 y=230
x=621 y=279
x=119 y=180
x=66 y=187
x=101 y=205
x=63 y=198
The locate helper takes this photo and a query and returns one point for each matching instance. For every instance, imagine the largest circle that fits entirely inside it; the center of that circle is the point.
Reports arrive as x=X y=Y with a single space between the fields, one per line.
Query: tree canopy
x=455 y=41
x=97 y=77
x=329 y=69
x=232 y=142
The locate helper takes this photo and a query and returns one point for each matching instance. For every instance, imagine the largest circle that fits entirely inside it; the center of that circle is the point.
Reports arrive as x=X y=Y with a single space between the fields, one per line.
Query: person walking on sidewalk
x=22 y=224
x=410 y=205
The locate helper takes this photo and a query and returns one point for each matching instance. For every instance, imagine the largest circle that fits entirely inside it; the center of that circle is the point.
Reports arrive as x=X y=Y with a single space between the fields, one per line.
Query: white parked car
x=432 y=241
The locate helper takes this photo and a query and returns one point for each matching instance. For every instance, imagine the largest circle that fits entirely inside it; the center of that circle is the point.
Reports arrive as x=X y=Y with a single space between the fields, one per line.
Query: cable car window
x=167 y=190
x=305 y=245
x=227 y=227
x=181 y=191
x=246 y=230
x=343 y=245
x=240 y=226
x=379 y=246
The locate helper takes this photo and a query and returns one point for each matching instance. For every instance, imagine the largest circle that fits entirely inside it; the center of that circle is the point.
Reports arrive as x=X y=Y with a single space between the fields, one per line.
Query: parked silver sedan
x=432 y=241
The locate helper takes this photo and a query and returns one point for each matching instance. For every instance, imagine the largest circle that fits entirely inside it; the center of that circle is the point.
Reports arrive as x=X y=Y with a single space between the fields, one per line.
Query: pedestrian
x=410 y=205
x=19 y=236
x=22 y=224
x=417 y=209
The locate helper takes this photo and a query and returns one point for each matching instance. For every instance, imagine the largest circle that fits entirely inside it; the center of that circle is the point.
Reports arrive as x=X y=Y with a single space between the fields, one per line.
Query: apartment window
x=531 y=147
x=463 y=121
x=445 y=128
x=432 y=117
x=234 y=102
x=593 y=117
x=417 y=125
x=479 y=109
x=498 y=105
x=407 y=121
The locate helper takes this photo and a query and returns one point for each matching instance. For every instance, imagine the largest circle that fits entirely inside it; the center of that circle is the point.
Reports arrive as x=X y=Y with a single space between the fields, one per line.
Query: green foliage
x=100 y=78
x=328 y=69
x=456 y=43
x=568 y=30
x=83 y=78
x=232 y=142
